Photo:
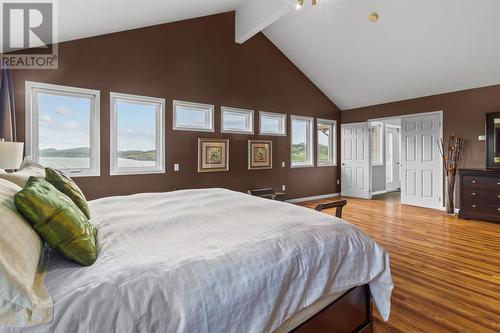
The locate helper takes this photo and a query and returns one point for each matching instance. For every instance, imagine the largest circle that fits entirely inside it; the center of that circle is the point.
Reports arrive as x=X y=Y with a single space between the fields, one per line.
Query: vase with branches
x=451 y=158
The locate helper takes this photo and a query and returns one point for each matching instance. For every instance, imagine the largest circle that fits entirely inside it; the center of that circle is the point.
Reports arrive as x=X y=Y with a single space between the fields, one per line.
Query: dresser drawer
x=475 y=195
x=480 y=211
x=484 y=207
x=481 y=182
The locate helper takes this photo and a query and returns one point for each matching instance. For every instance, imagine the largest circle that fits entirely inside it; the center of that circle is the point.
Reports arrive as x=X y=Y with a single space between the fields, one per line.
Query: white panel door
x=355 y=177
x=421 y=173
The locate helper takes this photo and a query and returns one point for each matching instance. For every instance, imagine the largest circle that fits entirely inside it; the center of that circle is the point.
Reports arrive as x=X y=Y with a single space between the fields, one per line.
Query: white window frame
x=159 y=104
x=245 y=112
x=32 y=123
x=379 y=127
x=280 y=116
x=332 y=144
x=309 y=144
x=209 y=116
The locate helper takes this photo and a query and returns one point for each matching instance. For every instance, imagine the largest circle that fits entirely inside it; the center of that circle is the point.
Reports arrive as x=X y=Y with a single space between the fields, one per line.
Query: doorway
x=385 y=153
x=392 y=157
x=397 y=155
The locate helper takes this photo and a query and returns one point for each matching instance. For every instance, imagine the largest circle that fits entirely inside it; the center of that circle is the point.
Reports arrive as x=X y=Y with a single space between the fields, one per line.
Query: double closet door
x=418 y=172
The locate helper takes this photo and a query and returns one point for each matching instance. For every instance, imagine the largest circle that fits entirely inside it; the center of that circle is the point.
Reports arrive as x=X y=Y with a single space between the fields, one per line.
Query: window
x=137 y=134
x=301 y=148
x=62 y=128
x=190 y=116
x=236 y=120
x=326 y=142
x=376 y=143
x=272 y=123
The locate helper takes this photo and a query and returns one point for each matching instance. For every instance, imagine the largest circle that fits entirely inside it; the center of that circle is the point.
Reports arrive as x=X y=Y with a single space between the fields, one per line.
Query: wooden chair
x=334 y=204
x=267 y=193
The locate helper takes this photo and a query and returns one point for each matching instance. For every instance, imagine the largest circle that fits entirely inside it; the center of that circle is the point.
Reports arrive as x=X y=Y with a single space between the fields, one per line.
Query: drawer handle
x=474 y=193
x=473 y=182
x=473 y=206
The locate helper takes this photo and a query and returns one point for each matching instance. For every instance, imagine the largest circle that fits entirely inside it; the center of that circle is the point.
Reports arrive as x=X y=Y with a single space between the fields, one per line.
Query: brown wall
x=194 y=60
x=463 y=114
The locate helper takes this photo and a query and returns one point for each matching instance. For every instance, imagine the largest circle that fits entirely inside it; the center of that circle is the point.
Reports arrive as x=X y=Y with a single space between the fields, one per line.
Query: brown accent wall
x=194 y=60
x=464 y=113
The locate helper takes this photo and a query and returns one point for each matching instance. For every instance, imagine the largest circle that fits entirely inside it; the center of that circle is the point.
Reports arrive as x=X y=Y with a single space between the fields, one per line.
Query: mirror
x=493 y=140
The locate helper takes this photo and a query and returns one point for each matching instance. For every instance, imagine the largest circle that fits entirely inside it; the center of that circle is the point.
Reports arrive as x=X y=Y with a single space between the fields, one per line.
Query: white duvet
x=209 y=261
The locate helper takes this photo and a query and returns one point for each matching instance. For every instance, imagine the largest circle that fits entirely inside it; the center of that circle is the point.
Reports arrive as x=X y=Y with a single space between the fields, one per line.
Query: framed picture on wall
x=213 y=155
x=260 y=154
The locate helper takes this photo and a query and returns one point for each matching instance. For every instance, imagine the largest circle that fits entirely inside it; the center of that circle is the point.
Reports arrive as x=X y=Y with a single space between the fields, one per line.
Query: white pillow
x=28 y=168
x=24 y=301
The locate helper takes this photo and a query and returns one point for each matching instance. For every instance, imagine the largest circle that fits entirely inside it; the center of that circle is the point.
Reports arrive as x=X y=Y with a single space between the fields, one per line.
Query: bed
x=214 y=260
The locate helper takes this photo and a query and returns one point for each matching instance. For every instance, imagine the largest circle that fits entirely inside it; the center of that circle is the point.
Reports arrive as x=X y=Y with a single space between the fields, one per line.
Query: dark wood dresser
x=480 y=194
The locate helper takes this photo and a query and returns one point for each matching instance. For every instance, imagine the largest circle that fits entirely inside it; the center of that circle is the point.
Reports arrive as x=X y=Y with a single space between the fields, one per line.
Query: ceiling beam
x=254 y=16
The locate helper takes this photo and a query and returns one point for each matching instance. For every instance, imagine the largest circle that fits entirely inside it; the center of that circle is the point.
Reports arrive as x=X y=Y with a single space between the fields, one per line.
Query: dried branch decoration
x=451 y=158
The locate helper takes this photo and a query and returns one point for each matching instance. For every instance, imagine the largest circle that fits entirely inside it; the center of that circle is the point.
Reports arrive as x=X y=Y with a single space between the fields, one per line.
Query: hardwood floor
x=446 y=271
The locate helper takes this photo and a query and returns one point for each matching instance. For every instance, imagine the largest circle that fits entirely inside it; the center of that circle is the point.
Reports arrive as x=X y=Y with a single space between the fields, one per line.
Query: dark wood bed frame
x=350 y=313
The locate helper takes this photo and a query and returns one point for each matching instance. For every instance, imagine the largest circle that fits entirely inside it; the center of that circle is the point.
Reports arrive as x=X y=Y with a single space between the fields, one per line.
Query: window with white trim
x=189 y=116
x=326 y=141
x=235 y=120
x=272 y=123
x=137 y=134
x=376 y=143
x=301 y=141
x=62 y=128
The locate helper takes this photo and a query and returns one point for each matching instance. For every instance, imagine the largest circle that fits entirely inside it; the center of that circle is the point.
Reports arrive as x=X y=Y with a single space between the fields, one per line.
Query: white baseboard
x=316 y=197
x=457 y=210
x=379 y=192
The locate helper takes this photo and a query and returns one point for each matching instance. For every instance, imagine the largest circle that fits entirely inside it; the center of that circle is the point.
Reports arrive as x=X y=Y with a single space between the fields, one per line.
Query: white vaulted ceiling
x=417 y=48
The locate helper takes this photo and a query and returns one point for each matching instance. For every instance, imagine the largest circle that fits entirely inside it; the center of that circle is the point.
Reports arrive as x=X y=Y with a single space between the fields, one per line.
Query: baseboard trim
x=379 y=192
x=316 y=197
x=457 y=210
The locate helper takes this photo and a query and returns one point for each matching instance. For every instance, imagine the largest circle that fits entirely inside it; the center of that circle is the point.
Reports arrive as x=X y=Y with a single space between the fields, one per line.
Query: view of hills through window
x=300 y=146
x=136 y=137
x=64 y=132
x=324 y=143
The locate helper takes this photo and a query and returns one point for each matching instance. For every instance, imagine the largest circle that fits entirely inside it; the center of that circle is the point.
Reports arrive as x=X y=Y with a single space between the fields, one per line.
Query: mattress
x=210 y=260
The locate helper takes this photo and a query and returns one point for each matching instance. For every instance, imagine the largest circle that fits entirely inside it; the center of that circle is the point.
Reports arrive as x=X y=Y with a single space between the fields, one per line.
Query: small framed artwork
x=260 y=154
x=213 y=155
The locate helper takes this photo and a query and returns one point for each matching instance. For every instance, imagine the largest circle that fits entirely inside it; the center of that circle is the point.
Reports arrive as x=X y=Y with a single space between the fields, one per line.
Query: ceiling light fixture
x=300 y=3
x=373 y=17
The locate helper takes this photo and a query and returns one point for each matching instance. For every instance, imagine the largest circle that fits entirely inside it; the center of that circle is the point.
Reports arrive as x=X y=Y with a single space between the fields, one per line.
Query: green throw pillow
x=68 y=187
x=58 y=220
